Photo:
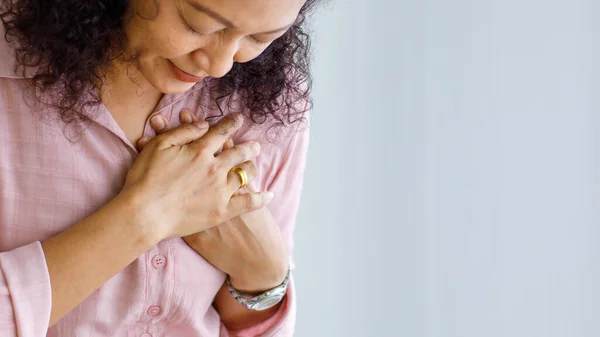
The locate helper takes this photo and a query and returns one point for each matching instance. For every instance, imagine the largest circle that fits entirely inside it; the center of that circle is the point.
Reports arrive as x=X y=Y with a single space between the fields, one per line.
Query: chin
x=173 y=88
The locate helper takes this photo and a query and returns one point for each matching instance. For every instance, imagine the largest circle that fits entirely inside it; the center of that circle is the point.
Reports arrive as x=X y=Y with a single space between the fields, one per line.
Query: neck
x=126 y=90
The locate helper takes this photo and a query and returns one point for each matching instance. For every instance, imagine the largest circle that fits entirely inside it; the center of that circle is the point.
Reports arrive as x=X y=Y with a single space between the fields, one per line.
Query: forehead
x=255 y=14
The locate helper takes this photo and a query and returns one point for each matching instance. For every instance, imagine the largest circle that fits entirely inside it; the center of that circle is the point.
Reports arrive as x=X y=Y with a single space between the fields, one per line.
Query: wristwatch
x=263 y=301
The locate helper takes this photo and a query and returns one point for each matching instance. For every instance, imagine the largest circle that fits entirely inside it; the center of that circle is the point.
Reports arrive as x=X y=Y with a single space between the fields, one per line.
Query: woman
x=100 y=239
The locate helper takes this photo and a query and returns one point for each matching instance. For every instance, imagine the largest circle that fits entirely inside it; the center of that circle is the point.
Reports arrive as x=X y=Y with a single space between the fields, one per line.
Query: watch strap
x=263 y=301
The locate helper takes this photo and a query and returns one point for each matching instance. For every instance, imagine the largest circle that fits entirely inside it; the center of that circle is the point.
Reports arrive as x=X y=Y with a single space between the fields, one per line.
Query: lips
x=183 y=76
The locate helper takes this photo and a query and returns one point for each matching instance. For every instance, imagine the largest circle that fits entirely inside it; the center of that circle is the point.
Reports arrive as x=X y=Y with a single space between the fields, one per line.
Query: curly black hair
x=68 y=42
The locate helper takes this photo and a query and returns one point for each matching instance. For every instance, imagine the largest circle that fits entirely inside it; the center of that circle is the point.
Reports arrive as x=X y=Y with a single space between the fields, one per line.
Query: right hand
x=180 y=187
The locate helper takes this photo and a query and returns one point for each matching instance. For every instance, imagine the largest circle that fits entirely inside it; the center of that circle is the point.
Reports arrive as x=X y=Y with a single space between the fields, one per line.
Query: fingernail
x=157 y=123
x=201 y=124
x=230 y=143
x=186 y=117
x=268 y=197
x=142 y=142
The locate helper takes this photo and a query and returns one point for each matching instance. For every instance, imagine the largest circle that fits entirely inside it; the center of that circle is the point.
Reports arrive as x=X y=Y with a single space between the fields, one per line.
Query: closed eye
x=189 y=28
x=193 y=31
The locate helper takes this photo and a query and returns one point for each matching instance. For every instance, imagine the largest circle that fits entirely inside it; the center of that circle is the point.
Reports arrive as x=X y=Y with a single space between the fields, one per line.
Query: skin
x=204 y=38
x=240 y=247
x=163 y=36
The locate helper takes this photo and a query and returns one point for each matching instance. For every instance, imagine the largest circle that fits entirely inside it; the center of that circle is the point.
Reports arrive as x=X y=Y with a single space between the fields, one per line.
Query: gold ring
x=243 y=176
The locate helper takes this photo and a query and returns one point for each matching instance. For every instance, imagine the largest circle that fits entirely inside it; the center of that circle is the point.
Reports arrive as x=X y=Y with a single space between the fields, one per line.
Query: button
x=154 y=310
x=145 y=334
x=159 y=261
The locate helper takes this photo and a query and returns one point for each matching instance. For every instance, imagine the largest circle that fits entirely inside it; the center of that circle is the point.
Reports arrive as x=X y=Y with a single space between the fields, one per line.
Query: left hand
x=249 y=248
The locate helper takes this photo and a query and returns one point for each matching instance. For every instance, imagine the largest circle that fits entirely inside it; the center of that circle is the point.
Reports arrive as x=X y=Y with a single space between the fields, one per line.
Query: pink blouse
x=52 y=177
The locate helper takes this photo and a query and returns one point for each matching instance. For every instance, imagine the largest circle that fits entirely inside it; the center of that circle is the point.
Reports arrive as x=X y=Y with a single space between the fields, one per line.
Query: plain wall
x=452 y=183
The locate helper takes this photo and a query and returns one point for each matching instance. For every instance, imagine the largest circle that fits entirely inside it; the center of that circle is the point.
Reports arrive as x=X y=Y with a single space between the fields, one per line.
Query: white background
x=452 y=185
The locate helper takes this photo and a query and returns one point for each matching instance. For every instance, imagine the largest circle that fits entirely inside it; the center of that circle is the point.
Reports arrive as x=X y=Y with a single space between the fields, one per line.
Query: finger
x=183 y=134
x=249 y=188
x=225 y=146
x=239 y=154
x=234 y=181
x=243 y=203
x=219 y=133
x=142 y=142
x=218 y=151
x=160 y=124
x=228 y=144
x=186 y=117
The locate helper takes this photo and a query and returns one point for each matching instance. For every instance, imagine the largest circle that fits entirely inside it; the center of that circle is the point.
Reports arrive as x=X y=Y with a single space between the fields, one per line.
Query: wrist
x=147 y=231
x=258 y=284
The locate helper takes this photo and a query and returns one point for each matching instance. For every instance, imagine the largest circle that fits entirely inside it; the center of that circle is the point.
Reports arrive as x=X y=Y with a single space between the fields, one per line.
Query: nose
x=217 y=57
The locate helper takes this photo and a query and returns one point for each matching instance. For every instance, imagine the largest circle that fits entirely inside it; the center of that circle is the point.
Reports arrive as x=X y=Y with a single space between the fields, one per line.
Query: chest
x=132 y=124
x=49 y=181
x=50 y=178
x=131 y=114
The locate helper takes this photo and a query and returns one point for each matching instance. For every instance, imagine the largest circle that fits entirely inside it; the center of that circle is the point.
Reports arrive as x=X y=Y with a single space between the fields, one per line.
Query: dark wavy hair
x=69 y=42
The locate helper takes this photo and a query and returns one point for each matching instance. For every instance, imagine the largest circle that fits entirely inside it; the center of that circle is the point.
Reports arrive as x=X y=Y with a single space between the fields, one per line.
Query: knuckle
x=226 y=126
x=190 y=128
x=203 y=152
x=252 y=201
x=213 y=168
x=242 y=152
x=162 y=141
x=229 y=123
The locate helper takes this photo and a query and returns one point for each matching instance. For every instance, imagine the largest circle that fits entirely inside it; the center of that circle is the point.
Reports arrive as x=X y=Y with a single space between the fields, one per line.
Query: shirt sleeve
x=25 y=292
x=285 y=179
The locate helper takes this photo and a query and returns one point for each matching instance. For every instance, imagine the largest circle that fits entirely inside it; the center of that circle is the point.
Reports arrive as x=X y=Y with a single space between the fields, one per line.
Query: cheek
x=160 y=37
x=166 y=43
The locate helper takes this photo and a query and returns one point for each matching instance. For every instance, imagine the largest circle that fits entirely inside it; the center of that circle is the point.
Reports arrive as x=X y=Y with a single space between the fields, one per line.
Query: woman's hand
x=181 y=188
x=249 y=248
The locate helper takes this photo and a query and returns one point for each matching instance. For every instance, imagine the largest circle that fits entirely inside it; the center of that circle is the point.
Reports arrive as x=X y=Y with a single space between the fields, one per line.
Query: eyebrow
x=226 y=22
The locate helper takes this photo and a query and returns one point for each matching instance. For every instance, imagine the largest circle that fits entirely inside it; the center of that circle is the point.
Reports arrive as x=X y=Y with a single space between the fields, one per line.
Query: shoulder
x=276 y=136
x=283 y=151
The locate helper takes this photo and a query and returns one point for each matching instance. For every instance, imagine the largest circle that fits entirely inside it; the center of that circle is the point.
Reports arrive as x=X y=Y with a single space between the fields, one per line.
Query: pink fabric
x=52 y=176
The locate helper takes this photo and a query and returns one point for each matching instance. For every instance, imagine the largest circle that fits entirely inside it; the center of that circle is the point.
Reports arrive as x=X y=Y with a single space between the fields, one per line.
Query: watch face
x=267 y=302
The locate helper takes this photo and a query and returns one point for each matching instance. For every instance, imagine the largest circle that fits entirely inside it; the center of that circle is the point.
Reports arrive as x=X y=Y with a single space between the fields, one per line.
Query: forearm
x=235 y=316
x=106 y=241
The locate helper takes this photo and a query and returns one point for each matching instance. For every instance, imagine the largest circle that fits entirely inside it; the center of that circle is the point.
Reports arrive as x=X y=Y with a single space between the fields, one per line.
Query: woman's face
x=179 y=42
